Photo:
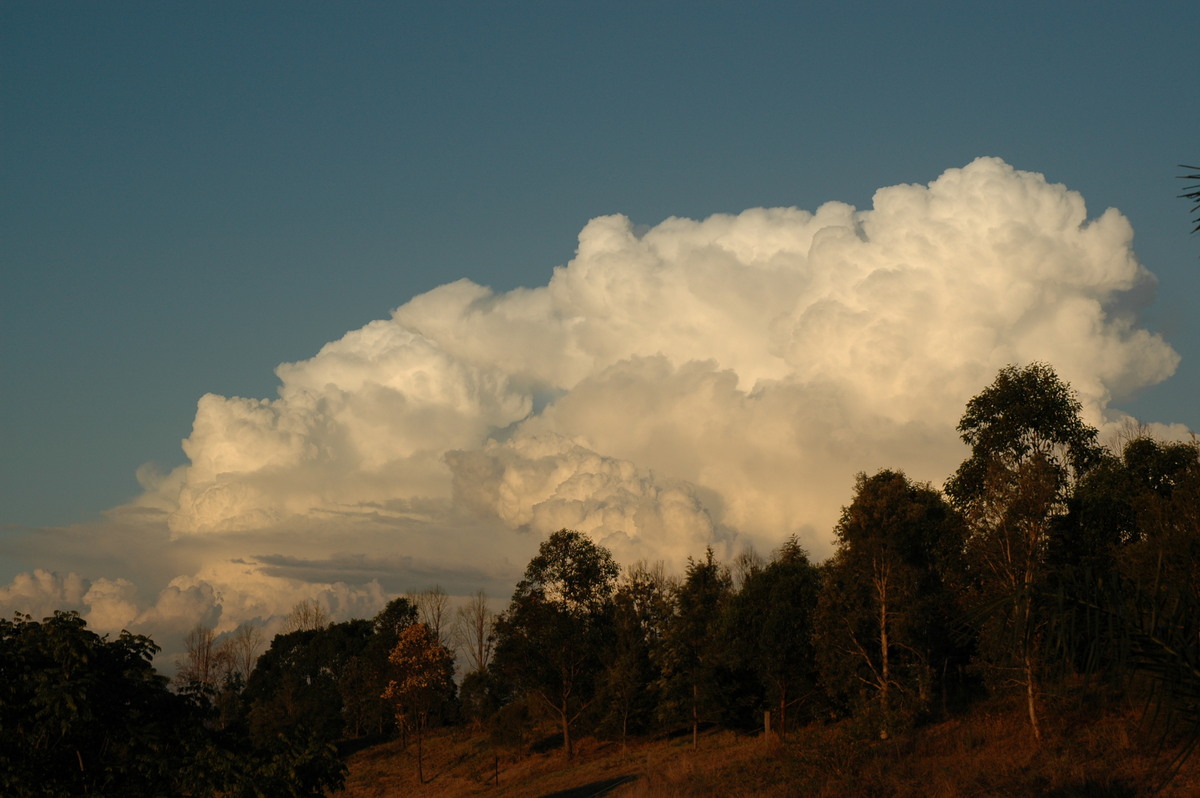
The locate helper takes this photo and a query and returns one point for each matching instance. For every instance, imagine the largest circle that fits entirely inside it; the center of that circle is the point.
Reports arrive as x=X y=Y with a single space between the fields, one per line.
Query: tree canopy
x=887 y=612
x=552 y=637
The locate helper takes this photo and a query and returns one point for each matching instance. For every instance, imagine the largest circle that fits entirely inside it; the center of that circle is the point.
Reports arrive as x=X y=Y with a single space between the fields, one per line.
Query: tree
x=243 y=647
x=552 y=637
x=769 y=627
x=480 y=696
x=84 y=715
x=1164 y=570
x=691 y=652
x=308 y=614
x=219 y=668
x=1157 y=493
x=391 y=621
x=1028 y=449
x=205 y=665
x=1136 y=618
x=473 y=631
x=885 y=610
x=1162 y=479
x=1026 y=414
x=297 y=688
x=424 y=681
x=366 y=674
x=80 y=713
x=641 y=607
x=1126 y=500
x=433 y=608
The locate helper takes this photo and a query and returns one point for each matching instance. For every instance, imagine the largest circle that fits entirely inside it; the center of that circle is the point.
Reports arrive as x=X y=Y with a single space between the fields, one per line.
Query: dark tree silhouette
x=692 y=654
x=84 y=715
x=769 y=628
x=886 y=611
x=1028 y=448
x=552 y=640
x=642 y=606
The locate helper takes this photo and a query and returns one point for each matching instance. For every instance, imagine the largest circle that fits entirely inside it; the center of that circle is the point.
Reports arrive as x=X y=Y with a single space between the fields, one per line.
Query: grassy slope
x=985 y=753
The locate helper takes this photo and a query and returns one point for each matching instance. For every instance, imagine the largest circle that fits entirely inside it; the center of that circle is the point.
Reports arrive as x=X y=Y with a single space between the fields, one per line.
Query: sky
x=343 y=300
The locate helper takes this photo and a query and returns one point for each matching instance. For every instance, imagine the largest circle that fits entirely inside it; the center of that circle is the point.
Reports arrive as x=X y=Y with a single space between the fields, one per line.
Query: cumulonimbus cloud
x=714 y=382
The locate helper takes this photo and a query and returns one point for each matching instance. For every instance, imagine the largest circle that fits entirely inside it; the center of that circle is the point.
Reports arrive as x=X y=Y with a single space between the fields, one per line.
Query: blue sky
x=194 y=193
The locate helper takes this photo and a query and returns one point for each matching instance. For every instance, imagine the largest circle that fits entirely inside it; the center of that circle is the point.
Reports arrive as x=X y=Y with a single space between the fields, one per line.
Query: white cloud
x=42 y=592
x=112 y=604
x=546 y=482
x=710 y=382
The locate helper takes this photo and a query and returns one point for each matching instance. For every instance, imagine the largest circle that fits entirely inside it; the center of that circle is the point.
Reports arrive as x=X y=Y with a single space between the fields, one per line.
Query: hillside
x=988 y=752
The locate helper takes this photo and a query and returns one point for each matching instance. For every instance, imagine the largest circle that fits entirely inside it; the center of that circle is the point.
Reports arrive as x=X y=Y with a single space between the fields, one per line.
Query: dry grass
x=988 y=753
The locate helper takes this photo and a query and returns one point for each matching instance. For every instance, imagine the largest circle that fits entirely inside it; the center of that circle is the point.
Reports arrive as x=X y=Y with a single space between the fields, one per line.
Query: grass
x=1086 y=754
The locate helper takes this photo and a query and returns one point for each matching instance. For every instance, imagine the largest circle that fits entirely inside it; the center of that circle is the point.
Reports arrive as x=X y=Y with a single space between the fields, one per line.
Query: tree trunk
x=1028 y=638
x=695 y=715
x=882 y=574
x=1031 y=697
x=885 y=664
x=420 y=753
x=566 y=730
x=782 y=712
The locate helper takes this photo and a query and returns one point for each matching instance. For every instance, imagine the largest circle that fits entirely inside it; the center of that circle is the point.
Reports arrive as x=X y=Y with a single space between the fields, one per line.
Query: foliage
x=1135 y=514
x=82 y=714
x=480 y=696
x=1026 y=414
x=768 y=627
x=292 y=766
x=367 y=673
x=392 y=620
x=423 y=683
x=551 y=640
x=1192 y=193
x=691 y=655
x=424 y=674
x=887 y=612
x=1029 y=448
x=641 y=607
x=1165 y=497
x=295 y=687
x=1139 y=620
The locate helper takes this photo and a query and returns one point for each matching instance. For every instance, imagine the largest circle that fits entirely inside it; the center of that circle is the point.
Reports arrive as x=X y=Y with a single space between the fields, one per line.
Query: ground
x=986 y=753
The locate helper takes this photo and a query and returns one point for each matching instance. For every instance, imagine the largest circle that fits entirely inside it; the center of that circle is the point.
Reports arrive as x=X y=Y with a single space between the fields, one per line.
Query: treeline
x=81 y=714
x=1047 y=565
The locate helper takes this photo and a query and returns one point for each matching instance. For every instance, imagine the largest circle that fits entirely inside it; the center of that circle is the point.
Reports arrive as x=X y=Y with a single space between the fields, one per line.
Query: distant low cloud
x=715 y=382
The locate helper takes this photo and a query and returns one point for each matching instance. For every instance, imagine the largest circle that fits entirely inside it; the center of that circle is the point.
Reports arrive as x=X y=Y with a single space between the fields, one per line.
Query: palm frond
x=1192 y=193
x=1116 y=626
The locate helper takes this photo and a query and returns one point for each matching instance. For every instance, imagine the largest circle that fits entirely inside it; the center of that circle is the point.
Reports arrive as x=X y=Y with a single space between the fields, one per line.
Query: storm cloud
x=699 y=382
